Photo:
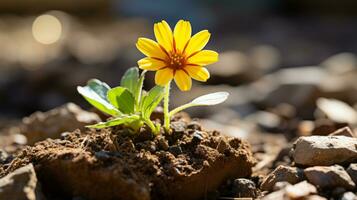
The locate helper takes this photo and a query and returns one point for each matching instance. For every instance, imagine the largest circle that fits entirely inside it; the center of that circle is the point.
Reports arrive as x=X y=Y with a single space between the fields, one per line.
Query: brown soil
x=117 y=164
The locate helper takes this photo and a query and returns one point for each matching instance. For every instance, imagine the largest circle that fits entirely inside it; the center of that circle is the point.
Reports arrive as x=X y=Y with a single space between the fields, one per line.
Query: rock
x=50 y=124
x=277 y=195
x=304 y=81
x=280 y=185
x=4 y=157
x=340 y=63
x=324 y=150
x=314 y=197
x=19 y=139
x=329 y=177
x=345 y=131
x=178 y=127
x=288 y=174
x=197 y=138
x=21 y=184
x=244 y=188
x=194 y=125
x=11 y=140
x=300 y=190
x=337 y=111
x=227 y=130
x=349 y=196
x=352 y=171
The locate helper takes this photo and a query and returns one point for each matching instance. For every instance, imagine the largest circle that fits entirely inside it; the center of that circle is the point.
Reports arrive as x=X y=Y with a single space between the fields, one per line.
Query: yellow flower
x=176 y=55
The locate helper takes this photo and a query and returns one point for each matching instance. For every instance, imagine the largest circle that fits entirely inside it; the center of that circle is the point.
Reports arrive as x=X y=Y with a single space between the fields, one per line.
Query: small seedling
x=127 y=103
x=176 y=56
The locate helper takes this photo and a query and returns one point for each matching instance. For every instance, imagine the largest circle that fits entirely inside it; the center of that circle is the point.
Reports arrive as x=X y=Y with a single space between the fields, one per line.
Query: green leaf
x=122 y=99
x=151 y=100
x=124 y=119
x=95 y=93
x=205 y=100
x=139 y=89
x=99 y=87
x=130 y=80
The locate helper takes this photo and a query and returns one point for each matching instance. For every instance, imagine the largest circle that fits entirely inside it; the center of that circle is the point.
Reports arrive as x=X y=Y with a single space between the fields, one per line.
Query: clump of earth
x=117 y=163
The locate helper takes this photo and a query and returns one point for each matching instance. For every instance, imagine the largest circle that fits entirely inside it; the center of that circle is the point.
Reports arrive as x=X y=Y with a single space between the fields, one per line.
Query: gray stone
x=324 y=150
x=21 y=184
x=50 y=124
x=352 y=171
x=280 y=185
x=349 y=196
x=314 y=197
x=178 y=127
x=338 y=111
x=244 y=188
x=301 y=190
x=340 y=63
x=329 y=177
x=282 y=173
x=196 y=137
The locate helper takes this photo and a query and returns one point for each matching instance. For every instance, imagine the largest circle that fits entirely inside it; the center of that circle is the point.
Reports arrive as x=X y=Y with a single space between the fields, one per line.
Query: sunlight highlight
x=47 y=29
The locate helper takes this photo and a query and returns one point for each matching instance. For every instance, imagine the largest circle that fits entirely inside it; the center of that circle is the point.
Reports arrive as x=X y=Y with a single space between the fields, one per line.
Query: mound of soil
x=118 y=164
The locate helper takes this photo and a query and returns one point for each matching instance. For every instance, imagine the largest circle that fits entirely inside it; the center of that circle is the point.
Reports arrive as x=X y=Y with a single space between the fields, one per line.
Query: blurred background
x=273 y=53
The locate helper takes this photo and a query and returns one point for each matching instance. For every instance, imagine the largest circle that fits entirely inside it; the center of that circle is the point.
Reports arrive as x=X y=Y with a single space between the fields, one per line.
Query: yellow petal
x=183 y=80
x=182 y=34
x=163 y=34
x=151 y=64
x=197 y=42
x=164 y=76
x=198 y=73
x=150 y=48
x=204 y=57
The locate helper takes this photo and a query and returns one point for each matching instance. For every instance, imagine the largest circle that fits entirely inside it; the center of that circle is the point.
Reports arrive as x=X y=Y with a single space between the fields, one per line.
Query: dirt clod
x=84 y=162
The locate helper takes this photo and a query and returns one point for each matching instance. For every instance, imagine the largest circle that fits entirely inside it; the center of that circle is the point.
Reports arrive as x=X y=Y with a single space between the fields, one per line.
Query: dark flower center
x=176 y=61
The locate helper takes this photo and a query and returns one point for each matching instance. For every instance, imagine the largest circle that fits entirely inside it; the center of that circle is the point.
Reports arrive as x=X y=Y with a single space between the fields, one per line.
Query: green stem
x=152 y=126
x=139 y=89
x=166 y=108
x=180 y=108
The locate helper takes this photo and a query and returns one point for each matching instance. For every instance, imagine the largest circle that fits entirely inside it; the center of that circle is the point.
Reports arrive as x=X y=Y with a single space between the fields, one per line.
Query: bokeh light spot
x=46 y=29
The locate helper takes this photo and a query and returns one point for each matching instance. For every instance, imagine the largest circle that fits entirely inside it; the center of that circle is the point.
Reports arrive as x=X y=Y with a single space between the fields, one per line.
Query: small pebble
x=194 y=125
x=175 y=150
x=349 y=196
x=196 y=138
x=244 y=188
